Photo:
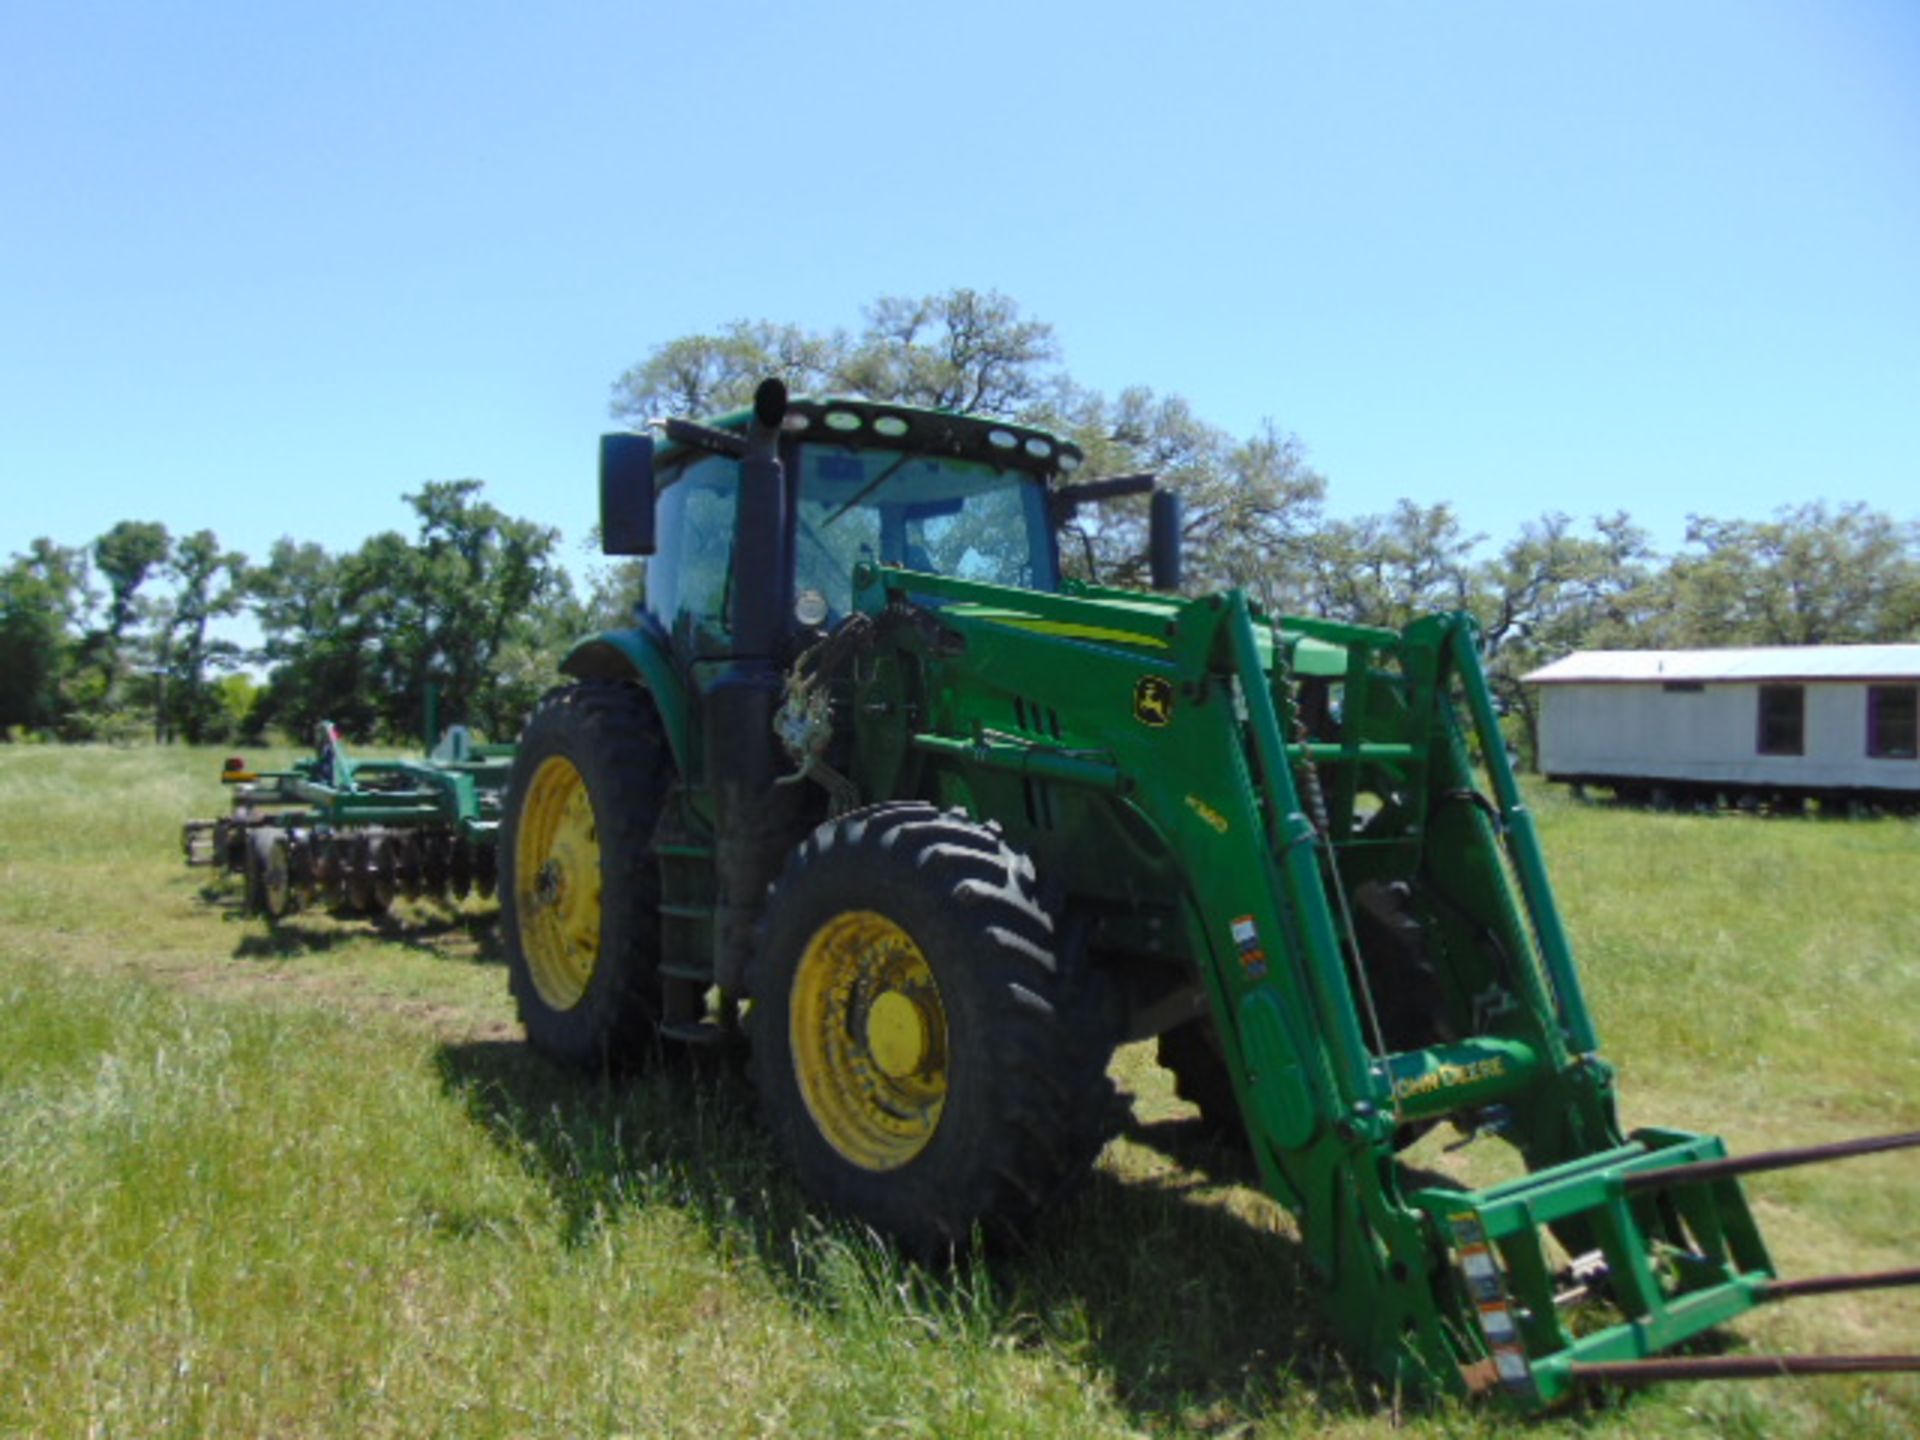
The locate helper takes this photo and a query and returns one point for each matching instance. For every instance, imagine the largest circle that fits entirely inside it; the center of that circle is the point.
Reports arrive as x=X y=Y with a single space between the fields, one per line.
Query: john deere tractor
x=870 y=786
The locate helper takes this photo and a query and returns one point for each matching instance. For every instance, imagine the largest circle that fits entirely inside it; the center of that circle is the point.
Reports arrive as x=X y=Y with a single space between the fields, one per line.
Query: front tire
x=924 y=1056
x=579 y=884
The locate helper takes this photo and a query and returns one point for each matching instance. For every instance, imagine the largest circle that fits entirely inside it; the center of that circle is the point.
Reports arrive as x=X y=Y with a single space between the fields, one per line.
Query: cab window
x=951 y=517
x=689 y=579
x=961 y=518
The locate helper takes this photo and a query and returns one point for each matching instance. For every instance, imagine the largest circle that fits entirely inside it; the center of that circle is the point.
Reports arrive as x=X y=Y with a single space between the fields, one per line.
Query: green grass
x=310 y=1183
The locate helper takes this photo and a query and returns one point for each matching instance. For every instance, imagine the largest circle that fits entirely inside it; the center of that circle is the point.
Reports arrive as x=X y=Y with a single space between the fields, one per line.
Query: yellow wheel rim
x=556 y=883
x=869 y=1037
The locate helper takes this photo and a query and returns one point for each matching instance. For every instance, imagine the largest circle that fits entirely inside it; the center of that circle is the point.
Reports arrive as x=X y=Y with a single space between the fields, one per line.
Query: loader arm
x=1159 y=760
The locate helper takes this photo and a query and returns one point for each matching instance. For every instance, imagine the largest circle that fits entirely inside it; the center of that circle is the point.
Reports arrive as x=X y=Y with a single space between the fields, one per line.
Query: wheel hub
x=557 y=883
x=896 y=1034
x=869 y=1037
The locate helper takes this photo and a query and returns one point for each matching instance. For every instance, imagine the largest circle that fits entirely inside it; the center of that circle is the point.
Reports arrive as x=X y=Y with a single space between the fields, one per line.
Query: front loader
x=869 y=785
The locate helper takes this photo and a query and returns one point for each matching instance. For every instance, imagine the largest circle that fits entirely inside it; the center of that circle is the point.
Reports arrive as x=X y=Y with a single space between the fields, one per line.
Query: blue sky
x=266 y=268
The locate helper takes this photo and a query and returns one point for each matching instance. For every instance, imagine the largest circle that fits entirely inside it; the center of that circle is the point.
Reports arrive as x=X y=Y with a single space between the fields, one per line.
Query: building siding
x=1709 y=735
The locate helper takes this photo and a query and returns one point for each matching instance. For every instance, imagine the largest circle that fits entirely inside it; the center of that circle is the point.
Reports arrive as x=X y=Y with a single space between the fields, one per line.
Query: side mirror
x=1166 y=513
x=1069 y=498
x=626 y=494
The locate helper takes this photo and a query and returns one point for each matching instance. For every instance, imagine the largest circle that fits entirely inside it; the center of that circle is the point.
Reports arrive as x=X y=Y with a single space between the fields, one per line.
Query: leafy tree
x=318 y=642
x=43 y=594
x=1389 y=569
x=700 y=375
x=523 y=668
x=358 y=638
x=475 y=576
x=1250 y=505
x=961 y=350
x=209 y=583
x=240 y=699
x=1550 y=592
x=965 y=350
x=126 y=555
x=614 y=588
x=1813 y=575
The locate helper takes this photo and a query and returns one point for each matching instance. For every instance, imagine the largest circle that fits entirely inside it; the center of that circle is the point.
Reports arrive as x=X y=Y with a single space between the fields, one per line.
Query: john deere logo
x=1153 y=701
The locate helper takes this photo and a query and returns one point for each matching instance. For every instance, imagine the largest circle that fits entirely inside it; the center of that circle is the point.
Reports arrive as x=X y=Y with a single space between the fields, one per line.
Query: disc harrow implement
x=351 y=835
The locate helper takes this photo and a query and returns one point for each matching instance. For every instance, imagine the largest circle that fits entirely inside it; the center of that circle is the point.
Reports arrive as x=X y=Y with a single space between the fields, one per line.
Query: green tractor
x=870 y=785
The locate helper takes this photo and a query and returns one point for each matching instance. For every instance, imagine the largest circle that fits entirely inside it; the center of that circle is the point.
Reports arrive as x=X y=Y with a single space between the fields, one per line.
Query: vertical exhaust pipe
x=741 y=702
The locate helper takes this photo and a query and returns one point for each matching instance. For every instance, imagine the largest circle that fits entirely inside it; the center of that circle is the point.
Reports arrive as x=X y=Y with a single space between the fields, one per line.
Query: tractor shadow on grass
x=1193 y=1289
x=1176 y=1288
x=468 y=936
x=466 y=931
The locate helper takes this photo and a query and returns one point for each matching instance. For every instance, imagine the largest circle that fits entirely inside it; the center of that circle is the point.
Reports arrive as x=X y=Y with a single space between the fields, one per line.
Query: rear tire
x=924 y=1057
x=579 y=884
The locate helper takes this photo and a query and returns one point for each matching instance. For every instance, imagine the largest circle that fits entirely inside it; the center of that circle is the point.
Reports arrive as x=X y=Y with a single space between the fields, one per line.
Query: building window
x=1783 y=720
x=1893 y=721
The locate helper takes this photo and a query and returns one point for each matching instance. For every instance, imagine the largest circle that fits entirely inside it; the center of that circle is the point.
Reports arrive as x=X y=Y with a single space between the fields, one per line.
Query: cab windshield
x=962 y=518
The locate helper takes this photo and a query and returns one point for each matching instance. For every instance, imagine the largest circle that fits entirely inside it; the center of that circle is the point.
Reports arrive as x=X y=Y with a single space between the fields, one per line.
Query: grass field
x=309 y=1182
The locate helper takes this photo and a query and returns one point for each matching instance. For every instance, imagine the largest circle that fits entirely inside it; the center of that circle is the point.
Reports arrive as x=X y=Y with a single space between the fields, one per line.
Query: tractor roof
x=881 y=425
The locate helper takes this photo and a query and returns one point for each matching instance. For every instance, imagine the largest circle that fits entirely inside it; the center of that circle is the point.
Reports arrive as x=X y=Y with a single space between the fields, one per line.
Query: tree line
x=112 y=639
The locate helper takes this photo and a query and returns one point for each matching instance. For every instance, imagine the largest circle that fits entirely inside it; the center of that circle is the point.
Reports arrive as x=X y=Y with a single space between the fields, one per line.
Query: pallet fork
x=1673 y=1247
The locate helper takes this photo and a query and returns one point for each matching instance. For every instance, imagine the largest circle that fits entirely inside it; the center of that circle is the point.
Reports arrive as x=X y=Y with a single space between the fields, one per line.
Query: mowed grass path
x=309 y=1182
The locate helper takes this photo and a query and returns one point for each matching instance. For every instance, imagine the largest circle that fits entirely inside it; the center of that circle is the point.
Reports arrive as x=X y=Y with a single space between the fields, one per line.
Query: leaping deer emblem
x=1153 y=702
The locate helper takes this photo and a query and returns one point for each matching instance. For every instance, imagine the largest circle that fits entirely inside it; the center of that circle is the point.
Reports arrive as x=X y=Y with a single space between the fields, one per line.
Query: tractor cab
x=960 y=497
x=943 y=494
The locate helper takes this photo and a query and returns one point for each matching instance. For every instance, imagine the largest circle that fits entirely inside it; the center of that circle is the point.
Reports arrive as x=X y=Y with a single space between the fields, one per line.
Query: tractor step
x=693 y=1032
x=699 y=971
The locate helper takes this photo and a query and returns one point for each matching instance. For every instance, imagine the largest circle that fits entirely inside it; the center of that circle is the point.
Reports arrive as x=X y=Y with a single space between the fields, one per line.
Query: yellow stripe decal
x=1066 y=629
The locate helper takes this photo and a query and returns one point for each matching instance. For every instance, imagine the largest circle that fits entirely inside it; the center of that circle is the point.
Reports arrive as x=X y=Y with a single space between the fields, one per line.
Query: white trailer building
x=1780 y=723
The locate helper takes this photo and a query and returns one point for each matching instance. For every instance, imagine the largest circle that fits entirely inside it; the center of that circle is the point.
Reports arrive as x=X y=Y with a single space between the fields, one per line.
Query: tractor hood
x=1138 y=620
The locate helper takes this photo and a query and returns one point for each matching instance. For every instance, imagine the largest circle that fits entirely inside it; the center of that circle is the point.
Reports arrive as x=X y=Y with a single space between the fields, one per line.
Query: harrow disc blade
x=433 y=864
x=382 y=869
x=460 y=869
x=485 y=871
x=330 y=869
x=359 y=873
x=301 y=868
x=406 y=864
x=271 y=886
x=253 y=898
x=230 y=845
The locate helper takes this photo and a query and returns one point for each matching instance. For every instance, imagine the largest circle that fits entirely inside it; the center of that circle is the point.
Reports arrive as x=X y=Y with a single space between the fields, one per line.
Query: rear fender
x=640 y=655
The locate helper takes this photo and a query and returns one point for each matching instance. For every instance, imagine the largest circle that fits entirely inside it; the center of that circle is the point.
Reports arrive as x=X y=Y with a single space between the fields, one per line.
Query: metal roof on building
x=1759 y=662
